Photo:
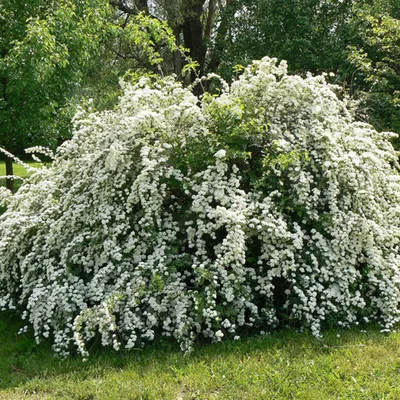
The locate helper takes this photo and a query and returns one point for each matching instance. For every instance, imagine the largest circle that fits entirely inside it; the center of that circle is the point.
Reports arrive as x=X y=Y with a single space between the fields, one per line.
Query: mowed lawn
x=346 y=364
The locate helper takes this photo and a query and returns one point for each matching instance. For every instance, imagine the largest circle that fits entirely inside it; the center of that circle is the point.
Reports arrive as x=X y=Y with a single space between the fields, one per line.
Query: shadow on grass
x=21 y=360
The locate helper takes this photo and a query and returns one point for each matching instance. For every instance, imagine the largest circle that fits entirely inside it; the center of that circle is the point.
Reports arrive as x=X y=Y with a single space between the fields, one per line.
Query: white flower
x=124 y=235
x=220 y=154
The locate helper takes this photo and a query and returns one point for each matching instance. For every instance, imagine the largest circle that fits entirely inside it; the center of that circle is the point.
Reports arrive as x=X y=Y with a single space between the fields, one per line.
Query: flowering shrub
x=266 y=205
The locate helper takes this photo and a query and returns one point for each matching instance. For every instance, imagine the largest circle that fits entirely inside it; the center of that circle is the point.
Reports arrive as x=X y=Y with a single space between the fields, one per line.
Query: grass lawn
x=287 y=365
x=18 y=171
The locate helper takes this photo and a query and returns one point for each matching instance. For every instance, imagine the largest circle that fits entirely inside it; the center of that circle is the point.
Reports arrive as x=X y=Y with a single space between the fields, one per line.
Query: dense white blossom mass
x=266 y=205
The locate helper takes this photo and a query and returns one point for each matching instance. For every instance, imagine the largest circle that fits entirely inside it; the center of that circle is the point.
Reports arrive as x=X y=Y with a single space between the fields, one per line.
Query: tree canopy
x=54 y=55
x=46 y=49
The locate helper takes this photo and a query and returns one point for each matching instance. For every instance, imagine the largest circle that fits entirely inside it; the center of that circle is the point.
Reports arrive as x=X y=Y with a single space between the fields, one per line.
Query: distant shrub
x=265 y=205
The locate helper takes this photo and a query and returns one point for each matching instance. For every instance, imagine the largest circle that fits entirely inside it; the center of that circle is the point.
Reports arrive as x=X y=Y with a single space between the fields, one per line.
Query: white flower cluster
x=166 y=217
x=40 y=150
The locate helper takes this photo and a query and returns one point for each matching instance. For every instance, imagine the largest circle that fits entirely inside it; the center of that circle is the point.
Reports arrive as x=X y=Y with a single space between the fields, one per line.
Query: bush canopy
x=265 y=206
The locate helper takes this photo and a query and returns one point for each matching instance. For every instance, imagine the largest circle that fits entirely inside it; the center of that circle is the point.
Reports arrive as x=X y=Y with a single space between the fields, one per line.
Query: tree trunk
x=212 y=6
x=131 y=8
x=9 y=161
x=143 y=6
x=10 y=171
x=177 y=55
x=222 y=30
x=193 y=36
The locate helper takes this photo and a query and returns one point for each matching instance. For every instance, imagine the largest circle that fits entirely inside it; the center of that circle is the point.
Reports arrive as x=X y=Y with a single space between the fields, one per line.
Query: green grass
x=19 y=170
x=286 y=365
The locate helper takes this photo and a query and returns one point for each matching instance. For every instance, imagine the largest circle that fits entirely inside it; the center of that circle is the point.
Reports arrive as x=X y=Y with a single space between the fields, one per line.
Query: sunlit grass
x=347 y=364
x=19 y=170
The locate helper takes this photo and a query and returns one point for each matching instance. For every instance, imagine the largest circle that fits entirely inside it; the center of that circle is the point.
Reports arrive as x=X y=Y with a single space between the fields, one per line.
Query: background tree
x=45 y=50
x=200 y=26
x=53 y=54
x=309 y=34
x=375 y=55
x=139 y=46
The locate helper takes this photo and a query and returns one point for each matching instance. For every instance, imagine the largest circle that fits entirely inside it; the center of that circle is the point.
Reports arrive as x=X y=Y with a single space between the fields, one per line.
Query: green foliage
x=44 y=53
x=53 y=54
x=137 y=46
x=377 y=59
x=309 y=34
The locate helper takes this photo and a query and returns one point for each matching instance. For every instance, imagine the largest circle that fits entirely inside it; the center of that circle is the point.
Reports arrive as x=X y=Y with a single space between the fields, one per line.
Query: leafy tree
x=376 y=56
x=138 y=46
x=309 y=34
x=45 y=50
x=53 y=54
x=200 y=26
x=358 y=40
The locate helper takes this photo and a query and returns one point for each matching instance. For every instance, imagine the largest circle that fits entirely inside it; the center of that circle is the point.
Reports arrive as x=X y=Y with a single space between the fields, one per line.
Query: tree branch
x=120 y=4
x=227 y=13
x=210 y=19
